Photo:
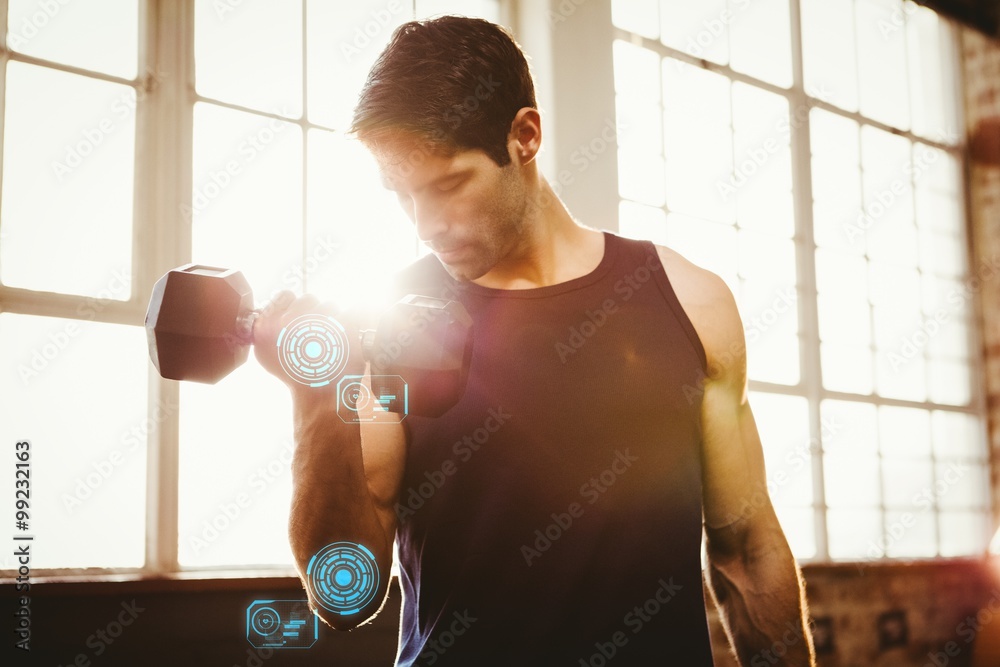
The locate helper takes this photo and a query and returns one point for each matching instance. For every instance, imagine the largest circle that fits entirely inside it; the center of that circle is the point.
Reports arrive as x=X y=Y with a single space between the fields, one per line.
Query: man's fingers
x=278 y=303
x=282 y=300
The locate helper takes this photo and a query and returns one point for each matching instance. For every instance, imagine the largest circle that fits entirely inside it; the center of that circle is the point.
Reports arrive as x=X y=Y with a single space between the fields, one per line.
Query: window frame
x=164 y=136
x=810 y=385
x=163 y=189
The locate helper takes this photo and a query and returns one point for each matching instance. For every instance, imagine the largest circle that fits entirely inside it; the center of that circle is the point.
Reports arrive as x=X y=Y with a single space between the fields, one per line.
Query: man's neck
x=555 y=248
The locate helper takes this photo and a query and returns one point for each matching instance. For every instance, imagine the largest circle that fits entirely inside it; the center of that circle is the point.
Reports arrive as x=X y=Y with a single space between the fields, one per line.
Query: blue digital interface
x=313 y=349
x=281 y=624
x=344 y=577
x=388 y=400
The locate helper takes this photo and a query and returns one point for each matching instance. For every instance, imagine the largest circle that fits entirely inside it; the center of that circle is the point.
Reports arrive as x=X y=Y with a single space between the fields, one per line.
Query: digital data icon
x=387 y=401
x=343 y=577
x=313 y=349
x=281 y=624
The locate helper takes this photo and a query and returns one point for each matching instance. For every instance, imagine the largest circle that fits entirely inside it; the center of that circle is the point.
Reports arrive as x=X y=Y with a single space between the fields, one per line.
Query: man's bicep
x=734 y=477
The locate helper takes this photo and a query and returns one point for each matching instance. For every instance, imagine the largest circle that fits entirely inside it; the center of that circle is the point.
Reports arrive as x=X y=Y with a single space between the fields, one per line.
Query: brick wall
x=981 y=58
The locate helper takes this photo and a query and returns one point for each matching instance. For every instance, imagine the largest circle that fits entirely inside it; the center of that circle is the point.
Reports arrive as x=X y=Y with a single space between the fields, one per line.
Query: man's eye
x=450 y=184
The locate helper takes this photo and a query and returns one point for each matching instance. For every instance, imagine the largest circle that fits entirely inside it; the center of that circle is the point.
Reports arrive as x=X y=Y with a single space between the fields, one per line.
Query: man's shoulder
x=709 y=304
x=695 y=286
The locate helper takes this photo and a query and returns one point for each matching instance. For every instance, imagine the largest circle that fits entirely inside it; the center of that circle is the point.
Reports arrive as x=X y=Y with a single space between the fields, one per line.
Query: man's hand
x=276 y=315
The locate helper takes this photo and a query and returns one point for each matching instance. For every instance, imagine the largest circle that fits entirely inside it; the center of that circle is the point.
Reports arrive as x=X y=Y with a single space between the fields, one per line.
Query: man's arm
x=752 y=574
x=345 y=476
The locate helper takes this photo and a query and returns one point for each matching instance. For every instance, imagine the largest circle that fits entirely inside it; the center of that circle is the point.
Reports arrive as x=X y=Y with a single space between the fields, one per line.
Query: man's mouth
x=450 y=254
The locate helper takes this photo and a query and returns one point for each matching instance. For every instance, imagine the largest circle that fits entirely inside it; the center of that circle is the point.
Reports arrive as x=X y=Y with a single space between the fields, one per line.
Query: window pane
x=764 y=257
x=937 y=177
x=698 y=141
x=247 y=188
x=78 y=392
x=851 y=481
x=849 y=428
x=783 y=424
x=235 y=454
x=700 y=29
x=710 y=245
x=906 y=483
x=950 y=341
x=888 y=197
x=932 y=64
x=487 y=9
x=641 y=123
x=962 y=485
x=894 y=288
x=854 y=534
x=950 y=381
x=910 y=533
x=882 y=62
x=842 y=275
x=640 y=177
x=350 y=210
x=964 y=533
x=838 y=219
x=799 y=526
x=828 y=51
x=760 y=38
x=638 y=16
x=636 y=71
x=762 y=178
x=344 y=39
x=642 y=222
x=904 y=432
x=850 y=454
x=958 y=435
x=844 y=320
x=847 y=367
x=69 y=154
x=944 y=254
x=768 y=306
x=250 y=54
x=100 y=36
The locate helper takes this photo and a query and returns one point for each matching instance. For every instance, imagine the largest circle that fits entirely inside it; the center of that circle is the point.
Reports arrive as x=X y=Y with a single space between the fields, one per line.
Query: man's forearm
x=331 y=500
x=761 y=598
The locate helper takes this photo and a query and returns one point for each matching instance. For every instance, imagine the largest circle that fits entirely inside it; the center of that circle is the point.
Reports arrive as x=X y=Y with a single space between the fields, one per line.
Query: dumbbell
x=200 y=320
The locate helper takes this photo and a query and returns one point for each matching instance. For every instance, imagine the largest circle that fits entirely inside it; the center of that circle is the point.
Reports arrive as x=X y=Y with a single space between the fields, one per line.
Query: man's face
x=468 y=210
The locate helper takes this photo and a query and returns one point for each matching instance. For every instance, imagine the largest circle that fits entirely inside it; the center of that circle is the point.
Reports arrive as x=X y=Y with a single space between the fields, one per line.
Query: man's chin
x=462 y=273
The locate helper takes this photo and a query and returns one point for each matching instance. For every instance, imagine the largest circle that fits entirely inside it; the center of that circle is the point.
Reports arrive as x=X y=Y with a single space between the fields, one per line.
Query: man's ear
x=525 y=137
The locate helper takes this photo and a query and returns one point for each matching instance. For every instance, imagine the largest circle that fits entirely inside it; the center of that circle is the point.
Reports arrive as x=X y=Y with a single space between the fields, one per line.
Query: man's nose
x=429 y=223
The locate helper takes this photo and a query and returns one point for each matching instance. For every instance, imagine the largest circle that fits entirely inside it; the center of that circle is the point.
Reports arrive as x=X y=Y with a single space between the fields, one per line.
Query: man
x=555 y=515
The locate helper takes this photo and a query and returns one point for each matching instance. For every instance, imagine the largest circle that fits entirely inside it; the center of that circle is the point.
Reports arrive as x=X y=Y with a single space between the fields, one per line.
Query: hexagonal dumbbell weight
x=199 y=326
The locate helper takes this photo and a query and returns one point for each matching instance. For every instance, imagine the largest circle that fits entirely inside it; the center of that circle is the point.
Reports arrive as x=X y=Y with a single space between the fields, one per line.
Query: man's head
x=453 y=82
x=449 y=112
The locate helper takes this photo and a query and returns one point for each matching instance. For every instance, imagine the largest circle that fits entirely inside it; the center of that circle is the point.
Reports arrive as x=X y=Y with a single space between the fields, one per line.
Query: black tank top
x=553 y=516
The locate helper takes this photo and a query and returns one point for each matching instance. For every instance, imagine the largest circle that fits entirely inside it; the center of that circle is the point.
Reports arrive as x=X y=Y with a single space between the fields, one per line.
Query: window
x=117 y=166
x=807 y=152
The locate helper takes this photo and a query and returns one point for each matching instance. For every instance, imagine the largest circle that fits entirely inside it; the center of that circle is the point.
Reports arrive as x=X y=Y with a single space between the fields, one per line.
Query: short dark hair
x=453 y=81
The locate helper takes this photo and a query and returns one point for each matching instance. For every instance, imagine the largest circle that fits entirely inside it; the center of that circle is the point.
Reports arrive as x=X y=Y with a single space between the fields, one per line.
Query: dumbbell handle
x=245 y=325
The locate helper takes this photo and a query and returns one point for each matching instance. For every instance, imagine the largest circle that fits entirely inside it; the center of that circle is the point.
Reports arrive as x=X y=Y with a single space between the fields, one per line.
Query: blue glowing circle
x=313 y=349
x=343 y=576
x=265 y=621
